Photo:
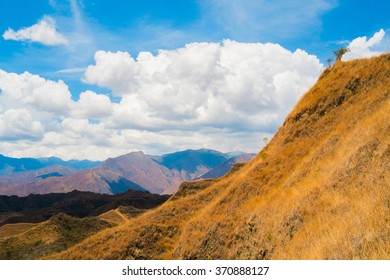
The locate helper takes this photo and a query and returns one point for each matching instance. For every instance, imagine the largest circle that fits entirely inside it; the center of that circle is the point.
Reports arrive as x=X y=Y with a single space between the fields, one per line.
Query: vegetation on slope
x=319 y=190
x=55 y=235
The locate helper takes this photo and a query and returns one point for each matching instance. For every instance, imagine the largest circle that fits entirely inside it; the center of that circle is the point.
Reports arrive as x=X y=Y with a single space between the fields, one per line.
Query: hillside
x=57 y=234
x=319 y=190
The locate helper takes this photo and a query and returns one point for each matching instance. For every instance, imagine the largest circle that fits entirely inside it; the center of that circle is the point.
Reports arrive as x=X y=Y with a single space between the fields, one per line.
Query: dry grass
x=114 y=216
x=54 y=235
x=14 y=229
x=321 y=192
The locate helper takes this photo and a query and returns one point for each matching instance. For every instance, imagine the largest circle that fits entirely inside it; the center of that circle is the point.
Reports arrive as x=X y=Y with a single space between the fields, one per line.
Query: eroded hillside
x=319 y=190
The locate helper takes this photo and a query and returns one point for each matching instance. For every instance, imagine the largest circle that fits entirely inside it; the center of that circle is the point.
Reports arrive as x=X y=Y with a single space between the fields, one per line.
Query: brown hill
x=319 y=190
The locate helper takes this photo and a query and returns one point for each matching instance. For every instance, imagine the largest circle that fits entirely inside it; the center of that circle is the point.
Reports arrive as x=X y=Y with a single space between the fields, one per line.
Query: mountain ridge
x=36 y=208
x=9 y=165
x=134 y=170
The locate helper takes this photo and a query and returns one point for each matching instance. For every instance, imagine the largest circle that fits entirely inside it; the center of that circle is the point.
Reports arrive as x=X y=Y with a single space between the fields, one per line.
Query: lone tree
x=329 y=60
x=340 y=52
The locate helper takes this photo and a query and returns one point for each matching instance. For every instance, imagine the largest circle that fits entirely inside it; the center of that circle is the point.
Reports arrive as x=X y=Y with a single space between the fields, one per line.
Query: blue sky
x=58 y=41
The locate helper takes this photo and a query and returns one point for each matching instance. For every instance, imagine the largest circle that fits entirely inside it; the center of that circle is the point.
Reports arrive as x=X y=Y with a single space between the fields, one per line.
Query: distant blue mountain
x=9 y=165
x=190 y=160
x=77 y=164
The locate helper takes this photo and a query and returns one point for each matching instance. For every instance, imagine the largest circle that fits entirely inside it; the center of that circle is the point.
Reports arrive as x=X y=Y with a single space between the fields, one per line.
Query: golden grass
x=321 y=192
x=114 y=216
x=14 y=229
x=46 y=238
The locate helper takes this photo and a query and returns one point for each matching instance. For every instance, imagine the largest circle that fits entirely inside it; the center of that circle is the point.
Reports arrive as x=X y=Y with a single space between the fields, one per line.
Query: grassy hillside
x=14 y=229
x=55 y=235
x=319 y=190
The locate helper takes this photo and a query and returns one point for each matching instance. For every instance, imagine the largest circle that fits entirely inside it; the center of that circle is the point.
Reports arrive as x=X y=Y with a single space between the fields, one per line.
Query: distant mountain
x=10 y=165
x=136 y=170
x=76 y=164
x=193 y=162
x=223 y=168
x=14 y=183
x=37 y=208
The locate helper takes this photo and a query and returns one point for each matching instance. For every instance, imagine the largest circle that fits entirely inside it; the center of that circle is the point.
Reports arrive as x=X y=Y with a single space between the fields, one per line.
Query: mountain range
x=36 y=208
x=9 y=165
x=135 y=170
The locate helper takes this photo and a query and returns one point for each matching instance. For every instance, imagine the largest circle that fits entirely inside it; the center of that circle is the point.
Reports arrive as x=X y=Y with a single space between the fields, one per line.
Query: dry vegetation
x=319 y=190
x=14 y=229
x=54 y=235
x=121 y=215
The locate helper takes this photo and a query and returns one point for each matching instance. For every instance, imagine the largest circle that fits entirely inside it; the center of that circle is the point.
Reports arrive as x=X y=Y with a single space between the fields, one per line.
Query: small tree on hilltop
x=340 y=52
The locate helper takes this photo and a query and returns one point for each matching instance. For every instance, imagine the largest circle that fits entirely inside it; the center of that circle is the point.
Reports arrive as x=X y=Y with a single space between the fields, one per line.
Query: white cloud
x=31 y=90
x=363 y=48
x=71 y=70
x=117 y=70
x=238 y=86
x=92 y=105
x=224 y=96
x=19 y=124
x=43 y=32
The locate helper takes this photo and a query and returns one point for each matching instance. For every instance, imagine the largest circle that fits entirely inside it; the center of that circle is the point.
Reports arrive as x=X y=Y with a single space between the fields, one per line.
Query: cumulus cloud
x=44 y=32
x=363 y=48
x=27 y=89
x=31 y=105
x=224 y=96
x=238 y=86
x=19 y=124
x=92 y=105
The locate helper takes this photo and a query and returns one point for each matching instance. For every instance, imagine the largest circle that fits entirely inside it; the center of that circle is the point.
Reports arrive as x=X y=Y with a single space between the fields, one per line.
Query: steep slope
x=319 y=190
